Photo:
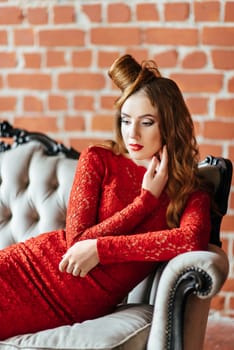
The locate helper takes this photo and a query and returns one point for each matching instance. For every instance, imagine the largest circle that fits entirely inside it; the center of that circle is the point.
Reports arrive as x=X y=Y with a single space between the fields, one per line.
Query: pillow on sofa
x=126 y=328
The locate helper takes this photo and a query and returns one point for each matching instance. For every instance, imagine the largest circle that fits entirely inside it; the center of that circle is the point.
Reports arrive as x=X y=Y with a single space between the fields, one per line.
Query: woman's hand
x=80 y=258
x=156 y=176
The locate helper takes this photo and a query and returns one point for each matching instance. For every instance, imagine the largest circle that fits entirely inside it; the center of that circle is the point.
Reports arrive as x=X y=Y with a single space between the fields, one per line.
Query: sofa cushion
x=126 y=328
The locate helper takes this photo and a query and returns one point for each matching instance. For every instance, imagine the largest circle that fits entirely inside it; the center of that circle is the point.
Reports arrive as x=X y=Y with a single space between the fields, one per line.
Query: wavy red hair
x=175 y=122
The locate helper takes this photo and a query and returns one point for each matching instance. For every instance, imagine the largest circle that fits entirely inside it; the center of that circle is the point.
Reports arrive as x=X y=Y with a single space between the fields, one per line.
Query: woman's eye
x=125 y=121
x=147 y=122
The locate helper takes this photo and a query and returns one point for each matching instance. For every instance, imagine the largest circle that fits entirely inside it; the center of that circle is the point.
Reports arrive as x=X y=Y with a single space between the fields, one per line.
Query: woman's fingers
x=156 y=176
x=76 y=271
x=70 y=267
x=80 y=258
x=63 y=264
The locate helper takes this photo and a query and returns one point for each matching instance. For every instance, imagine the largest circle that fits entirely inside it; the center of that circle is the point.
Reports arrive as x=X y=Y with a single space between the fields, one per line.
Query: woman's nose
x=133 y=132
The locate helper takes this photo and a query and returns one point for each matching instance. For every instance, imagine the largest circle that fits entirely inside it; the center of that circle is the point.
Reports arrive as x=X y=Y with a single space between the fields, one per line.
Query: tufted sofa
x=168 y=310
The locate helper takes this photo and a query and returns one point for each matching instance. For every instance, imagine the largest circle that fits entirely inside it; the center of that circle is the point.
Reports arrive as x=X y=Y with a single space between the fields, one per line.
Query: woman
x=133 y=203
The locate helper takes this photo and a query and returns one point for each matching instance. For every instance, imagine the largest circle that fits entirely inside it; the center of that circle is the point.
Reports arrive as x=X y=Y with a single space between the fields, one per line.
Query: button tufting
x=6 y=214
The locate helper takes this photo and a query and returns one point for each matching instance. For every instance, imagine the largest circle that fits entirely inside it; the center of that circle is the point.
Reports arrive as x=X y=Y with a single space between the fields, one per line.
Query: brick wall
x=54 y=57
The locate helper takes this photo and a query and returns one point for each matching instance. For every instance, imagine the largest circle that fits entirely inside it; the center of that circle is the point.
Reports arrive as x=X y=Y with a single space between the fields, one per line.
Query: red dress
x=107 y=202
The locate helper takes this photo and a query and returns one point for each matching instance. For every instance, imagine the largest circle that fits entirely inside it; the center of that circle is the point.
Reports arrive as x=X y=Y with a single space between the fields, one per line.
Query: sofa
x=166 y=311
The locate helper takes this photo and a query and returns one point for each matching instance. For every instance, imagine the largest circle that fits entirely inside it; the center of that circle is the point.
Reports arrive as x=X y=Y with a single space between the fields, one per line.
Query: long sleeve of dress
x=193 y=234
x=82 y=215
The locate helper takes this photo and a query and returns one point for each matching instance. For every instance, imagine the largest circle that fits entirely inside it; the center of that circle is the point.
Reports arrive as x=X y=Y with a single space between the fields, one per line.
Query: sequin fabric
x=106 y=202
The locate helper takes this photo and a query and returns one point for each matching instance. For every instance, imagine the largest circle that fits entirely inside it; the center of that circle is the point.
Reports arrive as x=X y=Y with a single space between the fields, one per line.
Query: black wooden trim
x=21 y=136
x=221 y=195
x=192 y=280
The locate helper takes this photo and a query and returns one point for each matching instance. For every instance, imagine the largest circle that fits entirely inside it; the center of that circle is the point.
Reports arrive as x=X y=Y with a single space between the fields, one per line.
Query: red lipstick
x=135 y=147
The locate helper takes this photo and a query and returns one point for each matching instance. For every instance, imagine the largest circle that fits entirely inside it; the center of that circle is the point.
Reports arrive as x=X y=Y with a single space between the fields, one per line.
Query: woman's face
x=140 y=127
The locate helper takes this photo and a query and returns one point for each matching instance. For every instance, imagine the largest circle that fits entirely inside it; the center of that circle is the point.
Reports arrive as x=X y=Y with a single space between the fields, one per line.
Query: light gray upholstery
x=33 y=193
x=34 y=190
x=127 y=328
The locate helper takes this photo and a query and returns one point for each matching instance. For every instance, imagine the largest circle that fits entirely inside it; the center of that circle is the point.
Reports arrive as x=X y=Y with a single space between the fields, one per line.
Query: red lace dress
x=107 y=202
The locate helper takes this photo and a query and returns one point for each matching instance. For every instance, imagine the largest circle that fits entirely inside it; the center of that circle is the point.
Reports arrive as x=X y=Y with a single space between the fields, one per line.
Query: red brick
x=37 y=15
x=107 y=102
x=29 y=81
x=218 y=130
x=229 y=285
x=217 y=302
x=61 y=37
x=24 y=37
x=199 y=82
x=7 y=103
x=10 y=15
x=74 y=123
x=38 y=124
x=206 y=11
x=231 y=84
x=222 y=36
x=103 y=123
x=197 y=105
x=166 y=58
x=82 y=58
x=57 y=103
x=32 y=104
x=231 y=202
x=147 y=12
x=209 y=149
x=232 y=305
x=81 y=81
x=223 y=59
x=176 y=11
x=115 y=36
x=138 y=53
x=3 y=37
x=225 y=108
x=227 y=223
x=55 y=59
x=118 y=12
x=81 y=143
x=7 y=59
x=106 y=58
x=64 y=14
x=171 y=36
x=231 y=153
x=93 y=11
x=32 y=60
x=1 y=82
x=225 y=243
x=82 y=102
x=229 y=11
x=195 y=60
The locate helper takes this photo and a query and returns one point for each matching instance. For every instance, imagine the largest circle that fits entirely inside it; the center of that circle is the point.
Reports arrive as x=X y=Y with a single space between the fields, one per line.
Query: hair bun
x=124 y=71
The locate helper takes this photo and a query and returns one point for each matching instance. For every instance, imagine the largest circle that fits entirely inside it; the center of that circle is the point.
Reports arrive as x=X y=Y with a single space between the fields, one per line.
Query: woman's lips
x=135 y=147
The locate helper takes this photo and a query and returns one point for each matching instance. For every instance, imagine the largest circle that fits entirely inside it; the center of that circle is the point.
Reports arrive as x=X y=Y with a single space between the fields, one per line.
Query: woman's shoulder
x=98 y=154
x=199 y=196
x=99 y=150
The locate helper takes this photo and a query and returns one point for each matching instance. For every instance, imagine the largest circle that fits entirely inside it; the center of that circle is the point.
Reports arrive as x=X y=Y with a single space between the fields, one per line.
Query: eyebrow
x=140 y=116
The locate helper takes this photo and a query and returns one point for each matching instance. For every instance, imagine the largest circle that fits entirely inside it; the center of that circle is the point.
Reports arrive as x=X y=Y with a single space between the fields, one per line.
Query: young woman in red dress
x=133 y=203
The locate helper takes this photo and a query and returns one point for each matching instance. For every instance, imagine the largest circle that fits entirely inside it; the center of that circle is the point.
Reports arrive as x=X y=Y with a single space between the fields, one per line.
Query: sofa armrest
x=200 y=273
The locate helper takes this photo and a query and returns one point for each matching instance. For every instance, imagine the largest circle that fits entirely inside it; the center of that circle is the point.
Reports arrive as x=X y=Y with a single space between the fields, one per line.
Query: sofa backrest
x=34 y=191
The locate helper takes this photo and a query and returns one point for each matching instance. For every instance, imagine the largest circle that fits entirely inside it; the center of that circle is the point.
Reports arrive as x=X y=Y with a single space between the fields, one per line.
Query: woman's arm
x=84 y=199
x=193 y=234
